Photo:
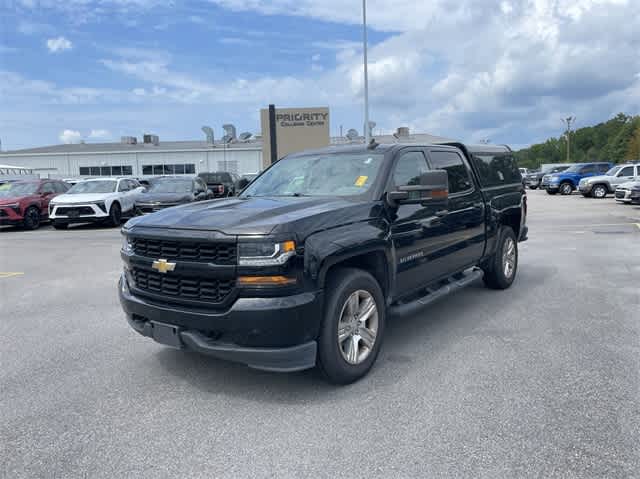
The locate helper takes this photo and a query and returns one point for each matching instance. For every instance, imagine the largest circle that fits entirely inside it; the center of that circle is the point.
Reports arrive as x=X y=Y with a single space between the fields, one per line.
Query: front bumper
x=585 y=188
x=275 y=334
x=9 y=216
x=77 y=213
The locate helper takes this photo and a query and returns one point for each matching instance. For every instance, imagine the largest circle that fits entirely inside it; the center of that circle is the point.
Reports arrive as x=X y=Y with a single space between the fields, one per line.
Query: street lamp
x=367 y=132
x=567 y=121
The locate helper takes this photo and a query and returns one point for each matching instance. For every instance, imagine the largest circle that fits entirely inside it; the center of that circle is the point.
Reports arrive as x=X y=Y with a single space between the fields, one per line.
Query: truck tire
x=31 y=219
x=353 y=326
x=533 y=187
x=566 y=188
x=550 y=192
x=501 y=269
x=599 y=191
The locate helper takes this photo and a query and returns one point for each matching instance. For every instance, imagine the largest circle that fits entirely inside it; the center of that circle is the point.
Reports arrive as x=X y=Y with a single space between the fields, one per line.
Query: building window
x=178 y=169
x=122 y=170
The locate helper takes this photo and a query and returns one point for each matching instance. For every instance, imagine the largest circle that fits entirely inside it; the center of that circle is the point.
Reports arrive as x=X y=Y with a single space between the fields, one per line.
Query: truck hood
x=81 y=198
x=163 y=197
x=594 y=179
x=260 y=216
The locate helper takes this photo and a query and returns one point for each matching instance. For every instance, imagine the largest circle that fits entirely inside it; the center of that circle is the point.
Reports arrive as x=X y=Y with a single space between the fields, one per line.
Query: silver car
x=601 y=186
x=625 y=190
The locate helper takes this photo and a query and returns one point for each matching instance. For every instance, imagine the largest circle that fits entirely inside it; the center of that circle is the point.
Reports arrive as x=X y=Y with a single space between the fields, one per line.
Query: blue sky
x=507 y=70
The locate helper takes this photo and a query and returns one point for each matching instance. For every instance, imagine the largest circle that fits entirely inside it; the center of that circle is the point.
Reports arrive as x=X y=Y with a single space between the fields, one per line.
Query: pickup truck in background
x=567 y=181
x=221 y=183
x=602 y=185
x=304 y=267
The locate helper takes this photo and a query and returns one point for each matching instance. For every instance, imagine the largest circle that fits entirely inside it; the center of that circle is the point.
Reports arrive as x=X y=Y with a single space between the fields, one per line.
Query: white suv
x=95 y=200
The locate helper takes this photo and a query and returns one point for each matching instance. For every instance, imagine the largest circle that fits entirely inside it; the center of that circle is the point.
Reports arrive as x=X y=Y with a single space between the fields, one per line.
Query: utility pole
x=567 y=121
x=367 y=133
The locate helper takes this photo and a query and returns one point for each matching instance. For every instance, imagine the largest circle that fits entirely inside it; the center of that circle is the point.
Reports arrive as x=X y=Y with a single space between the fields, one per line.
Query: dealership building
x=291 y=129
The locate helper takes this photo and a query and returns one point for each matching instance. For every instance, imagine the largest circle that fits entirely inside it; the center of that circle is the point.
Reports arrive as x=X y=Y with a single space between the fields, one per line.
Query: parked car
x=602 y=185
x=534 y=178
x=171 y=191
x=303 y=268
x=104 y=200
x=524 y=171
x=567 y=181
x=628 y=192
x=26 y=203
x=221 y=183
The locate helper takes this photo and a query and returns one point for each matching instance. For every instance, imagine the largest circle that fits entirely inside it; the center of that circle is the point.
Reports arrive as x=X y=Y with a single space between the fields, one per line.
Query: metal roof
x=117 y=147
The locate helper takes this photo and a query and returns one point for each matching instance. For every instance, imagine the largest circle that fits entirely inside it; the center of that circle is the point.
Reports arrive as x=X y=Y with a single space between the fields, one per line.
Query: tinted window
x=48 y=188
x=589 y=169
x=603 y=167
x=626 y=171
x=452 y=163
x=496 y=170
x=409 y=167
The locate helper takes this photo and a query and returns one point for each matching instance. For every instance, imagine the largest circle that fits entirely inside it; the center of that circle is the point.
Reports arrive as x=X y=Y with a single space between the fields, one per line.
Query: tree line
x=616 y=140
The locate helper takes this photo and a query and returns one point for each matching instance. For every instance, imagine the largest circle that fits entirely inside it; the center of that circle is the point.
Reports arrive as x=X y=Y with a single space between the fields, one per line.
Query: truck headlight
x=265 y=254
x=127 y=245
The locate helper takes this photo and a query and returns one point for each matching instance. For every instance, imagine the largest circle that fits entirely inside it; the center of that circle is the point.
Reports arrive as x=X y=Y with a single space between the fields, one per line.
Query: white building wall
x=239 y=161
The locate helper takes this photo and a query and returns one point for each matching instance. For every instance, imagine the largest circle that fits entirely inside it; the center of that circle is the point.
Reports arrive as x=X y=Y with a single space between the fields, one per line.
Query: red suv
x=26 y=202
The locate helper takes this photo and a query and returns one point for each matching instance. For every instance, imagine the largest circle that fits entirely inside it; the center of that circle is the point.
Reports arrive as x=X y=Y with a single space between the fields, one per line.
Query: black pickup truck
x=304 y=267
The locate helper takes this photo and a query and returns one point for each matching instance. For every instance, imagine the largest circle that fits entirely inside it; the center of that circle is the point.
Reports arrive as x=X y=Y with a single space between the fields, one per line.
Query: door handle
x=441 y=213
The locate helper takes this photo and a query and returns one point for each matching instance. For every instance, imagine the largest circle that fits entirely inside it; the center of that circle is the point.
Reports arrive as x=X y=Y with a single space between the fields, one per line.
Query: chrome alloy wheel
x=509 y=257
x=357 y=327
x=599 y=191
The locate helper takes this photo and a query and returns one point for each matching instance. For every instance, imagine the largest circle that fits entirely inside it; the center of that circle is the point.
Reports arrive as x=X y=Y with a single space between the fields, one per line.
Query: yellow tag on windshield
x=361 y=180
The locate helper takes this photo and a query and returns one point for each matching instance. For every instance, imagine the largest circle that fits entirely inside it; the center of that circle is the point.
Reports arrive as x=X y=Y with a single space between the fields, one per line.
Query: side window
x=589 y=169
x=408 y=169
x=604 y=168
x=451 y=162
x=496 y=169
x=200 y=186
x=626 y=171
x=123 y=186
x=133 y=184
x=59 y=187
x=48 y=188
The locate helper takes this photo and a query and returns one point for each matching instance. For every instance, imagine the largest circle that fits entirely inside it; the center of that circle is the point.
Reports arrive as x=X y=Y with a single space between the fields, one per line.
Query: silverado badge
x=162 y=266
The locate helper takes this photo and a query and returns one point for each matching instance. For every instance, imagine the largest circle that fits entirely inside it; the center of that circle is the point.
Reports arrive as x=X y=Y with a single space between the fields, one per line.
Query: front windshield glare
x=179 y=186
x=339 y=174
x=102 y=186
x=613 y=171
x=18 y=189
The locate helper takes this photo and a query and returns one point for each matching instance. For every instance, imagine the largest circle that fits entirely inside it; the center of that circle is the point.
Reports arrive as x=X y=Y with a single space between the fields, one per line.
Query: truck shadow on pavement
x=409 y=340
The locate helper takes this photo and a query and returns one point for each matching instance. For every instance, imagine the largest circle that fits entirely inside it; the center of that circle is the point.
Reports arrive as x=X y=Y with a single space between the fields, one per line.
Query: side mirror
x=433 y=189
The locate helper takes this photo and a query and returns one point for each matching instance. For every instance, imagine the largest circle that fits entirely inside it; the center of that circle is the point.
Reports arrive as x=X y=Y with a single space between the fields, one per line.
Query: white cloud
x=59 y=44
x=70 y=136
x=100 y=134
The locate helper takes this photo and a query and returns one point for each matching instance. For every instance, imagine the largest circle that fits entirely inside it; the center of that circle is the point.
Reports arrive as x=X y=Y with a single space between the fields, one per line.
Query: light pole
x=367 y=133
x=567 y=121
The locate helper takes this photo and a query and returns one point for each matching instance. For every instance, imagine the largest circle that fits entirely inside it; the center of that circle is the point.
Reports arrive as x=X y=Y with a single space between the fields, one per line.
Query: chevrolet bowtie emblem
x=162 y=266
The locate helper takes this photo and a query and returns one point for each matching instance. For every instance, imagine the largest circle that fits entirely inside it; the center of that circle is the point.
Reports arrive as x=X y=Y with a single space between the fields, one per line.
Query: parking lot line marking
x=9 y=274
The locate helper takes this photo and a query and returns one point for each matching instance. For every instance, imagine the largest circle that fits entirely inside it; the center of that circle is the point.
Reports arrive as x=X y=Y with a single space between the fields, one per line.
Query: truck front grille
x=183 y=287
x=74 y=210
x=217 y=253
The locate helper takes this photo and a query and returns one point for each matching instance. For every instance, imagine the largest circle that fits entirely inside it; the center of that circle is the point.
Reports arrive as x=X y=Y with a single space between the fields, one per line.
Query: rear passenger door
x=47 y=192
x=465 y=219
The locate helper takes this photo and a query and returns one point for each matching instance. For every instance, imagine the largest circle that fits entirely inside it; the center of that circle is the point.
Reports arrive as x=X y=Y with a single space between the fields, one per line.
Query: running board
x=454 y=283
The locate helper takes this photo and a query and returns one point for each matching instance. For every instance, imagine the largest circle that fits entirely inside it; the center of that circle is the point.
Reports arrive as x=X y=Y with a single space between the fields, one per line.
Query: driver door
x=420 y=234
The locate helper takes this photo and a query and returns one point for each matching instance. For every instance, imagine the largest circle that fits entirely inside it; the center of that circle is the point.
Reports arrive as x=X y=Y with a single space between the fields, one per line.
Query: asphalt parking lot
x=542 y=380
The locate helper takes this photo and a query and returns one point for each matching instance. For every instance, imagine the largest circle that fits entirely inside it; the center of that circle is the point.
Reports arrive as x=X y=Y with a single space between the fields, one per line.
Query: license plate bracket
x=167 y=334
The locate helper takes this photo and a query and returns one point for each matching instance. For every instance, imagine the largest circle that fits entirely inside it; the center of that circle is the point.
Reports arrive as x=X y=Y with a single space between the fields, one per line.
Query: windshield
x=171 y=186
x=339 y=174
x=613 y=171
x=574 y=169
x=558 y=169
x=18 y=189
x=101 y=186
